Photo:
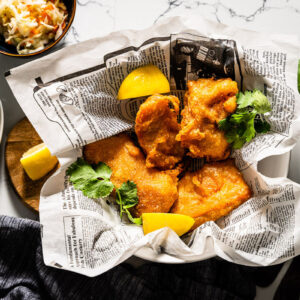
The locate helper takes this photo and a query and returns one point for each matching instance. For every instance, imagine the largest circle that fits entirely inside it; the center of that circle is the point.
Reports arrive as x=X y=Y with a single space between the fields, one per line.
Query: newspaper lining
x=70 y=97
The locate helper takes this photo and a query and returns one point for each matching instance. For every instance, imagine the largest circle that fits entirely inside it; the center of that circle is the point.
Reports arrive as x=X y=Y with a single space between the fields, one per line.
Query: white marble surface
x=100 y=17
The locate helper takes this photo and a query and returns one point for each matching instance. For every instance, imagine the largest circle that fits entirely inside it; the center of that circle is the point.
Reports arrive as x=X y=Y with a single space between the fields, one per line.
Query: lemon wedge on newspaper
x=143 y=81
x=38 y=161
x=179 y=223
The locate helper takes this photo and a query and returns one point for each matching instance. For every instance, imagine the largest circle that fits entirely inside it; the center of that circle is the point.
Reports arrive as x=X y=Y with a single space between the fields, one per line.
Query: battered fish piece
x=156 y=127
x=157 y=190
x=211 y=192
x=206 y=102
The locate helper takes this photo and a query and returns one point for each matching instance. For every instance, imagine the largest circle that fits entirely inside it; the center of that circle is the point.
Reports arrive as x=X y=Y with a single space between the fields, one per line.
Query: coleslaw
x=31 y=24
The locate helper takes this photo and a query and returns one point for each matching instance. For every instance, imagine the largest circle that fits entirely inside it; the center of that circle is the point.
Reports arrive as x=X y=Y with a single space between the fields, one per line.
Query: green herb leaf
x=261 y=126
x=256 y=101
x=232 y=135
x=250 y=132
x=224 y=124
x=261 y=103
x=238 y=143
x=242 y=126
x=128 y=193
x=80 y=170
x=240 y=117
x=95 y=183
x=137 y=221
x=244 y=99
x=98 y=188
x=103 y=171
x=85 y=178
x=127 y=197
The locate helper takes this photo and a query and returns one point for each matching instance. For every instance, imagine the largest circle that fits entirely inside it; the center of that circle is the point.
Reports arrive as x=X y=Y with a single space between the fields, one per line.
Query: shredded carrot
x=44 y=16
x=49 y=7
x=34 y=31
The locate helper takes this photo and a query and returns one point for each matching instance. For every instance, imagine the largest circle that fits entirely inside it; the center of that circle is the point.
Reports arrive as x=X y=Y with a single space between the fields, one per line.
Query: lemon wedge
x=143 y=81
x=179 y=223
x=38 y=161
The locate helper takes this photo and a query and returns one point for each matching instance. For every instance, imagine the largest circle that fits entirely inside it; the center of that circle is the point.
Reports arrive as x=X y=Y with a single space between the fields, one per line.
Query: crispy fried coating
x=156 y=127
x=157 y=190
x=211 y=192
x=206 y=102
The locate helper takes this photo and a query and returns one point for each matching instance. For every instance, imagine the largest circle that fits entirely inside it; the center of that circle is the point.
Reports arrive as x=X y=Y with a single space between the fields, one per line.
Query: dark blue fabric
x=23 y=275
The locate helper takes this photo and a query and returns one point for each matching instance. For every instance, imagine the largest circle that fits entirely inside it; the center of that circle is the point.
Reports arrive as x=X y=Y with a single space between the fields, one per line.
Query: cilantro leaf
x=224 y=124
x=103 y=171
x=127 y=197
x=255 y=101
x=128 y=192
x=244 y=99
x=240 y=117
x=249 y=132
x=85 y=178
x=81 y=173
x=242 y=126
x=98 y=188
x=261 y=103
x=241 y=129
x=95 y=183
x=137 y=221
x=232 y=135
x=261 y=126
x=80 y=169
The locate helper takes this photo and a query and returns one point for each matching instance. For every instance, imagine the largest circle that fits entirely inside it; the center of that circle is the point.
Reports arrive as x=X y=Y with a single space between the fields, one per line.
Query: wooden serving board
x=21 y=138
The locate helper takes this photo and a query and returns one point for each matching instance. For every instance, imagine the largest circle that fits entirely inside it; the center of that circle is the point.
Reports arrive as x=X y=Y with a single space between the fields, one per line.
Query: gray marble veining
x=100 y=17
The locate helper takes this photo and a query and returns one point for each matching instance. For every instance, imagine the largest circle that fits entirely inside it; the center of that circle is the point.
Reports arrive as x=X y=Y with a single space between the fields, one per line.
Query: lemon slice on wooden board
x=38 y=161
x=143 y=81
x=179 y=223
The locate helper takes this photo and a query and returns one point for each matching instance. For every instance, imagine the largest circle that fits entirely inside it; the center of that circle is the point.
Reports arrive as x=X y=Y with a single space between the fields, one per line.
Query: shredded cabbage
x=31 y=24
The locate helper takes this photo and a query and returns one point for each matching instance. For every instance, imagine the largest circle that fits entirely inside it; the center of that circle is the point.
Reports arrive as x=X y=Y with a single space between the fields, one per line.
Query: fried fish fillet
x=211 y=192
x=157 y=190
x=206 y=102
x=156 y=127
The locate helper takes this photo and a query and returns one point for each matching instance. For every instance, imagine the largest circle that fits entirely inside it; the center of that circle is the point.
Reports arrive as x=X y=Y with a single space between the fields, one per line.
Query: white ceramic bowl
x=272 y=166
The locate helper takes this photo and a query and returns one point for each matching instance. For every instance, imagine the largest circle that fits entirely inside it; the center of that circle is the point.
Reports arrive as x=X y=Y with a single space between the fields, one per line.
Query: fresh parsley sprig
x=95 y=183
x=242 y=126
x=127 y=198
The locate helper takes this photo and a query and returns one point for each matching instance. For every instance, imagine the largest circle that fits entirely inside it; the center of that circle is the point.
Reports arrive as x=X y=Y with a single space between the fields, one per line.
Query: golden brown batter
x=156 y=127
x=157 y=190
x=207 y=101
x=211 y=192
